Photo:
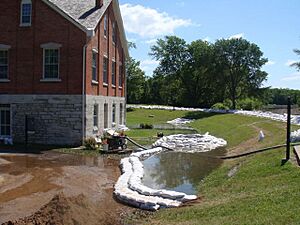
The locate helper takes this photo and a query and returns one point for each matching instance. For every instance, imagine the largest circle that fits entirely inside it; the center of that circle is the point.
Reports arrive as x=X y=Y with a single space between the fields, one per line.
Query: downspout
x=83 y=91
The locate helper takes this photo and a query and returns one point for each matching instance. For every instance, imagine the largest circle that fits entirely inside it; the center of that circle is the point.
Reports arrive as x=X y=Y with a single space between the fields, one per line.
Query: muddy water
x=180 y=171
x=27 y=182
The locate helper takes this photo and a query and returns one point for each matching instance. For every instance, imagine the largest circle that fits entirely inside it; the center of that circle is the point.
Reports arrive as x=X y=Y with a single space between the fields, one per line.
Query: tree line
x=226 y=74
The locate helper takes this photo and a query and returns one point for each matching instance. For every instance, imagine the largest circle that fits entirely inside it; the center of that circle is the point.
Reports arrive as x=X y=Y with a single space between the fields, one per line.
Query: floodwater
x=180 y=171
x=28 y=182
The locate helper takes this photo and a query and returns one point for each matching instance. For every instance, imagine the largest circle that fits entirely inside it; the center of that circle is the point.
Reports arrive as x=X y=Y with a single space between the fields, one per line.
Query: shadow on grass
x=198 y=115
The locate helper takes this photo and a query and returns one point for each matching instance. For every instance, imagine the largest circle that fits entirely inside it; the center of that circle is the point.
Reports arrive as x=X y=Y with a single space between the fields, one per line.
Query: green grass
x=154 y=116
x=261 y=192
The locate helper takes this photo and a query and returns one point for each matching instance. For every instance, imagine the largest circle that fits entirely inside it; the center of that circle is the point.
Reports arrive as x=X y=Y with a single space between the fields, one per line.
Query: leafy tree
x=135 y=81
x=171 y=52
x=297 y=64
x=241 y=62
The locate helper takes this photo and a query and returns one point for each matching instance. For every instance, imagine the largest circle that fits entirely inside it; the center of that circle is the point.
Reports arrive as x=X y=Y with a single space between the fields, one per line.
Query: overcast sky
x=273 y=25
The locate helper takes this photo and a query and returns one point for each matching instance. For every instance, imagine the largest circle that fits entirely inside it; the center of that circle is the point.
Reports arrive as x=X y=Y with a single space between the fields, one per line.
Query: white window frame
x=105 y=26
x=113 y=113
x=10 y=119
x=114 y=33
x=25 y=2
x=95 y=52
x=121 y=114
x=105 y=58
x=121 y=75
x=113 y=72
x=95 y=117
x=6 y=48
x=51 y=46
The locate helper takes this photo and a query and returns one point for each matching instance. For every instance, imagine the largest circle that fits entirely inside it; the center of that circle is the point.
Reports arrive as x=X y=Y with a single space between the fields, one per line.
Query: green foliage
x=220 y=106
x=279 y=96
x=135 y=81
x=90 y=143
x=249 y=104
x=146 y=126
x=297 y=64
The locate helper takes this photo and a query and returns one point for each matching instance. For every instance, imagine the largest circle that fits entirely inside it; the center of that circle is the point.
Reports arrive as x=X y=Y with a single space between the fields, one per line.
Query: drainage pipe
x=256 y=151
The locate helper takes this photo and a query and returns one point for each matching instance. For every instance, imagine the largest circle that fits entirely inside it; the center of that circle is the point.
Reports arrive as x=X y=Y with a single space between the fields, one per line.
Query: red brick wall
x=114 y=52
x=26 y=55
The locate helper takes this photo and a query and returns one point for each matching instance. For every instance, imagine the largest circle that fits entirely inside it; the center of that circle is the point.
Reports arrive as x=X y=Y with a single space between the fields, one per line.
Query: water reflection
x=179 y=171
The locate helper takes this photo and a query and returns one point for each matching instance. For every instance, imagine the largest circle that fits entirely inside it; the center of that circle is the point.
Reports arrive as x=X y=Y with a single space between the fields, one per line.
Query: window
x=105 y=66
x=121 y=114
x=113 y=73
x=95 y=116
x=5 y=120
x=120 y=75
x=3 y=64
x=114 y=34
x=26 y=11
x=105 y=26
x=51 y=63
x=105 y=115
x=114 y=113
x=94 y=66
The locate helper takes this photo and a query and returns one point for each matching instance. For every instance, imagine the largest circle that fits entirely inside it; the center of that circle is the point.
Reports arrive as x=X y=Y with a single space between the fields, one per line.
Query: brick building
x=62 y=64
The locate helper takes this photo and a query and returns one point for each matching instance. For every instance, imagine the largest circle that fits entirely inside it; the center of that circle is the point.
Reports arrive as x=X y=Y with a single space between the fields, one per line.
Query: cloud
x=208 y=39
x=270 y=63
x=237 y=36
x=148 y=22
x=292 y=77
x=290 y=62
x=148 y=66
x=151 y=41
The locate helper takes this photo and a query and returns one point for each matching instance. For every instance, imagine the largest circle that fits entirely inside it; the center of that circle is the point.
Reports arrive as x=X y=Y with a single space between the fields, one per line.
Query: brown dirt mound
x=63 y=211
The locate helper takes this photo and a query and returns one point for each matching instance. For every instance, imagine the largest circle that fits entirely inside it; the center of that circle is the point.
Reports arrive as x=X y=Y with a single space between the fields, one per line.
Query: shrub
x=220 y=106
x=146 y=126
x=130 y=109
x=249 y=104
x=90 y=143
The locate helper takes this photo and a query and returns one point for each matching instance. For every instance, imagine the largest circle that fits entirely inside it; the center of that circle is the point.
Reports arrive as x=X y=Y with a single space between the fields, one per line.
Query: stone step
x=297 y=153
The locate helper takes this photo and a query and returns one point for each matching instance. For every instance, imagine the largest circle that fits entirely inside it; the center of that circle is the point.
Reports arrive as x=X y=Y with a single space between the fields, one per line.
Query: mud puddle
x=29 y=182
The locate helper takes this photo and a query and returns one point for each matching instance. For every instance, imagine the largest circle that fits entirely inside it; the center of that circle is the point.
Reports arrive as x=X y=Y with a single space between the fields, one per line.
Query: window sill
x=53 y=80
x=25 y=25
x=95 y=129
x=113 y=86
x=95 y=82
x=4 y=80
x=120 y=87
x=105 y=84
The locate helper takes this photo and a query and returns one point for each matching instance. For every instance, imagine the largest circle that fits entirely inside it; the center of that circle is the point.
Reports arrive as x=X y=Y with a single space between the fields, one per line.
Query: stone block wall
x=100 y=101
x=57 y=118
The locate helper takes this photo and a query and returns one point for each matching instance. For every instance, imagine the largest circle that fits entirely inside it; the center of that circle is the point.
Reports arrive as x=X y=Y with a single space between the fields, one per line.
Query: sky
x=274 y=25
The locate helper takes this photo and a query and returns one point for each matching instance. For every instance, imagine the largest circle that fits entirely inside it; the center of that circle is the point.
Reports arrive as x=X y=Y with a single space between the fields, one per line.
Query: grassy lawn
x=260 y=192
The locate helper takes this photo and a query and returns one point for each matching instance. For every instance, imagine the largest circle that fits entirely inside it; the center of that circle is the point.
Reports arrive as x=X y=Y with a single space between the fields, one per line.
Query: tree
x=297 y=64
x=171 y=52
x=241 y=63
x=135 y=81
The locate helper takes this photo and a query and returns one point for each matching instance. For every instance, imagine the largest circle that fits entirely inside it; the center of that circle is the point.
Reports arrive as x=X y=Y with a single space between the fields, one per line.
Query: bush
x=130 y=109
x=249 y=104
x=90 y=143
x=146 y=126
x=220 y=106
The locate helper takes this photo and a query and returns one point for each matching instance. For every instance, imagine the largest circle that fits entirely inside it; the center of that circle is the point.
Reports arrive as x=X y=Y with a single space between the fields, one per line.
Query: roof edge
x=67 y=17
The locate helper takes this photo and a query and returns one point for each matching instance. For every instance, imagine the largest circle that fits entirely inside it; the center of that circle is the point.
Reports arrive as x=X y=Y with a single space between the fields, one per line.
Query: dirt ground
x=55 y=188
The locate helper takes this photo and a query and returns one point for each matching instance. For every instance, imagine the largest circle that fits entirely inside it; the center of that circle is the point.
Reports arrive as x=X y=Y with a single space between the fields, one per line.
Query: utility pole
x=288 y=129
